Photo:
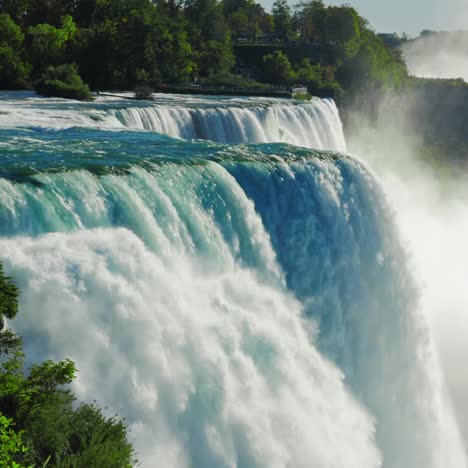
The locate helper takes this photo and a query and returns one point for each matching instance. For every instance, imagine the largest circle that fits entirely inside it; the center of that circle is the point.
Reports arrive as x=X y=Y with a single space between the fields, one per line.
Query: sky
x=410 y=16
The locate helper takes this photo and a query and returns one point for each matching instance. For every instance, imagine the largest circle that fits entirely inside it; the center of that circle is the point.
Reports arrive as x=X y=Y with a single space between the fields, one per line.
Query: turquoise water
x=234 y=288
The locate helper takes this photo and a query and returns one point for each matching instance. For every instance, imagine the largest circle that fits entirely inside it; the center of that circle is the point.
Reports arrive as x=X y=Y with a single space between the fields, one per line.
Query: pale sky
x=410 y=16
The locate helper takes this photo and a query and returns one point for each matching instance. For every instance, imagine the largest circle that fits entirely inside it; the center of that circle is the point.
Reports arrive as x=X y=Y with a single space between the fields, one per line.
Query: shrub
x=143 y=91
x=230 y=80
x=63 y=81
x=277 y=68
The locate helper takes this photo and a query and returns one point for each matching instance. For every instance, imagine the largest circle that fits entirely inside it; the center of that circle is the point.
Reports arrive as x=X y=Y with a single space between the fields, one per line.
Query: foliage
x=282 y=17
x=8 y=296
x=277 y=68
x=11 y=444
x=229 y=80
x=303 y=96
x=63 y=81
x=38 y=422
x=118 y=44
x=373 y=65
x=47 y=44
x=393 y=40
x=14 y=71
x=320 y=80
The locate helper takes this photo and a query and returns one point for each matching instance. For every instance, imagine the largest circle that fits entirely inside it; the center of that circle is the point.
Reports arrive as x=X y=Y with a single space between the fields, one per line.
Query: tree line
x=116 y=44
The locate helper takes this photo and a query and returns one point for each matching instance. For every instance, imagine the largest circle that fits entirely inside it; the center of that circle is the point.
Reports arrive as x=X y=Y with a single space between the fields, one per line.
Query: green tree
x=342 y=27
x=277 y=68
x=11 y=444
x=209 y=36
x=282 y=17
x=373 y=66
x=9 y=293
x=311 y=75
x=310 y=18
x=246 y=18
x=63 y=81
x=14 y=71
x=48 y=44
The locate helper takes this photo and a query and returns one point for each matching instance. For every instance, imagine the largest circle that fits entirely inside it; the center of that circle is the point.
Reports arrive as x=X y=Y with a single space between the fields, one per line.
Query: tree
x=14 y=71
x=310 y=17
x=48 y=43
x=374 y=65
x=63 y=81
x=209 y=37
x=9 y=293
x=246 y=18
x=282 y=17
x=342 y=29
x=277 y=68
x=311 y=75
x=11 y=444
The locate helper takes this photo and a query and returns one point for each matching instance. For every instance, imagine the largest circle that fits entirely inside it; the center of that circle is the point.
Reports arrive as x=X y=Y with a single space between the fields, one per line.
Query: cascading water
x=313 y=125
x=242 y=305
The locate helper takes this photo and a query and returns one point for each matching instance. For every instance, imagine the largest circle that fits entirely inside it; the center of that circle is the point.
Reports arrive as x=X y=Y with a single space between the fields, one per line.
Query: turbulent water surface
x=224 y=277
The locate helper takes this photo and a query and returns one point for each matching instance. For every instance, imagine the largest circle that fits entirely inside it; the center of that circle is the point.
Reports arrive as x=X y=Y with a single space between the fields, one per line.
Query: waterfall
x=314 y=124
x=241 y=305
x=164 y=288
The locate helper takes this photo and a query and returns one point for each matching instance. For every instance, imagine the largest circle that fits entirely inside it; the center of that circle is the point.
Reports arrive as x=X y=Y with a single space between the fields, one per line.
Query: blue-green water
x=234 y=287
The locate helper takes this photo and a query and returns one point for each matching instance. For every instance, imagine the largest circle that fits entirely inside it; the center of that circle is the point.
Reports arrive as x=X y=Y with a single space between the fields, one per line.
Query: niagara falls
x=231 y=238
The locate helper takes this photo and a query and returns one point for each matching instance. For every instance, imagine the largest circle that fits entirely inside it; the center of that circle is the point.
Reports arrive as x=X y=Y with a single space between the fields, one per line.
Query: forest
x=119 y=44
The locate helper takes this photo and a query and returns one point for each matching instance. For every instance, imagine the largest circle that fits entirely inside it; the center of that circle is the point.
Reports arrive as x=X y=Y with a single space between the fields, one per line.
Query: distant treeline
x=117 y=44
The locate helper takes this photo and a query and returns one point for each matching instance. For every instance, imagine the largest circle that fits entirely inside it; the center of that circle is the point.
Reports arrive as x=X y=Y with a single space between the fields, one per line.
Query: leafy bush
x=230 y=80
x=303 y=96
x=277 y=68
x=11 y=444
x=65 y=82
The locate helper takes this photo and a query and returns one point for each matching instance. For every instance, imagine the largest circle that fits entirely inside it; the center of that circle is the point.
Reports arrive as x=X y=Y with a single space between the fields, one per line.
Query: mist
x=438 y=55
x=430 y=200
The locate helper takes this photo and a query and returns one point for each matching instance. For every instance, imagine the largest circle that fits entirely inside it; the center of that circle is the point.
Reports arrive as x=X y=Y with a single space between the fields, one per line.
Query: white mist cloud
x=432 y=213
x=443 y=55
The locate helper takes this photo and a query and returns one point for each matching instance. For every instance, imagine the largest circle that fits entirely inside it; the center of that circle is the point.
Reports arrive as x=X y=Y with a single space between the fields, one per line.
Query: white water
x=440 y=55
x=238 y=120
x=432 y=214
x=191 y=337
x=313 y=125
x=182 y=294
